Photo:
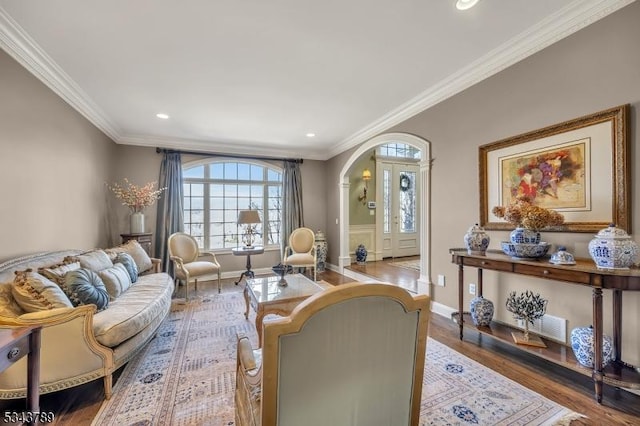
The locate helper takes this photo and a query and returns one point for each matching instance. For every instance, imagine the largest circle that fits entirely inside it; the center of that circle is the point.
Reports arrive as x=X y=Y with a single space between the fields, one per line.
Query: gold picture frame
x=578 y=167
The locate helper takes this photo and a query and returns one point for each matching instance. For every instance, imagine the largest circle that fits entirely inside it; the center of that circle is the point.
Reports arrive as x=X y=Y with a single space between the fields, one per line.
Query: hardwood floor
x=78 y=406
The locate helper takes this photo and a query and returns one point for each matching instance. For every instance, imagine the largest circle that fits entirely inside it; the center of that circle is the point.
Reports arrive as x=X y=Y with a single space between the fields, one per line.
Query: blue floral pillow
x=129 y=264
x=85 y=287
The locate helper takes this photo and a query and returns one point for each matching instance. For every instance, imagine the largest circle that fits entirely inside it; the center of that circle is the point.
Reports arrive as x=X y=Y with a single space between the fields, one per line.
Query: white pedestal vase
x=136 y=223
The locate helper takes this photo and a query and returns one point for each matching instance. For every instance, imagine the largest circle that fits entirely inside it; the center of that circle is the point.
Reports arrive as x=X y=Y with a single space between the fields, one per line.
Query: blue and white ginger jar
x=361 y=254
x=481 y=311
x=613 y=248
x=476 y=240
x=524 y=236
x=321 y=251
x=582 y=345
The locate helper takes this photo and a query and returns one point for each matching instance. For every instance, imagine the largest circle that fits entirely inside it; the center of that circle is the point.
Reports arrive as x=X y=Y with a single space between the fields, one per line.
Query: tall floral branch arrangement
x=523 y=214
x=137 y=198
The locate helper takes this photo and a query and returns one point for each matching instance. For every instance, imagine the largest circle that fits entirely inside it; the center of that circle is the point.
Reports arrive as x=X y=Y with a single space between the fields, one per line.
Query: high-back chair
x=301 y=251
x=184 y=252
x=351 y=355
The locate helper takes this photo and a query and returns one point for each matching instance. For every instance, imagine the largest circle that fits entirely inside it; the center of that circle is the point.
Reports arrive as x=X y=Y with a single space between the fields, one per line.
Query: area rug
x=186 y=376
x=408 y=264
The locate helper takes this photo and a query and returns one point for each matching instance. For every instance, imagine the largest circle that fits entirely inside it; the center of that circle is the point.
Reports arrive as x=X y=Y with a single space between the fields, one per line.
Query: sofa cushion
x=135 y=250
x=34 y=292
x=95 y=260
x=134 y=310
x=116 y=279
x=84 y=287
x=129 y=264
x=57 y=272
x=8 y=306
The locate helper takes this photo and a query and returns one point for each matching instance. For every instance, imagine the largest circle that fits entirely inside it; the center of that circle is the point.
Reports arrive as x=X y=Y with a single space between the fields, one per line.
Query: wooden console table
x=584 y=272
x=15 y=343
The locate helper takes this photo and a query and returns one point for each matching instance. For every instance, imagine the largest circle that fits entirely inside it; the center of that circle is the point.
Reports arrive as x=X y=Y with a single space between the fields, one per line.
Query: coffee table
x=265 y=296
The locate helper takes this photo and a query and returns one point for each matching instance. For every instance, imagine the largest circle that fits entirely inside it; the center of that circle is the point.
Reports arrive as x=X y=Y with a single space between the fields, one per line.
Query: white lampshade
x=248 y=216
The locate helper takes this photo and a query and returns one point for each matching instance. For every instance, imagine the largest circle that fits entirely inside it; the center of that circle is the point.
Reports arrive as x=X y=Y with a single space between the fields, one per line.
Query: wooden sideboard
x=584 y=272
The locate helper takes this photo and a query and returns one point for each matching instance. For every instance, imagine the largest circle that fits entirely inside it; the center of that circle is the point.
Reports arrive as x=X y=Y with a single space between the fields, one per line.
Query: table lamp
x=248 y=218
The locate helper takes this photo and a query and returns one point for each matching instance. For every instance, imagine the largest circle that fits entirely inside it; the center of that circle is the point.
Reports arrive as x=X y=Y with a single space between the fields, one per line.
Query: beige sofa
x=79 y=344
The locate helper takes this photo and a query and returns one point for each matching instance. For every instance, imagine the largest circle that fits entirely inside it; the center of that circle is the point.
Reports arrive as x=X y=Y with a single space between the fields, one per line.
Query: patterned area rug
x=186 y=376
x=408 y=264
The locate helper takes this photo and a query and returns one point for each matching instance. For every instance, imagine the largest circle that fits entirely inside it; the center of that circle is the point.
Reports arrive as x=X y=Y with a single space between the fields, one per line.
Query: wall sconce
x=366 y=177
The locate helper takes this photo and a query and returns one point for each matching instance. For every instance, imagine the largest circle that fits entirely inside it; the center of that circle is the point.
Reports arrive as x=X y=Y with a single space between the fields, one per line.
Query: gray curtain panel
x=170 y=214
x=292 y=216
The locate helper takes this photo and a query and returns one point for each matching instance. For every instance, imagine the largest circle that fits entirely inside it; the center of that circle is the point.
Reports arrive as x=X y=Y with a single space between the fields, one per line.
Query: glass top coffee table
x=265 y=296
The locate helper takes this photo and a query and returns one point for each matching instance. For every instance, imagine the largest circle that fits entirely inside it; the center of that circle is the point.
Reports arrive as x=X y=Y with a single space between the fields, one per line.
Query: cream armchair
x=301 y=251
x=351 y=355
x=184 y=252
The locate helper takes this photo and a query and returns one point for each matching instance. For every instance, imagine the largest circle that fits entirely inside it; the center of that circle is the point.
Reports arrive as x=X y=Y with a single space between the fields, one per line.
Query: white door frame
x=424 y=282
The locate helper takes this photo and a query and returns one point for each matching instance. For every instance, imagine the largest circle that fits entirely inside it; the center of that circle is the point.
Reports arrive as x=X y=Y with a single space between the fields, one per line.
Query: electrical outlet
x=441 y=280
x=472 y=288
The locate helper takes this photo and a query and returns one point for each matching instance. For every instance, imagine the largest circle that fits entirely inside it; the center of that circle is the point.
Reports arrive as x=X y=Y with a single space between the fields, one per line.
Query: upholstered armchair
x=301 y=251
x=351 y=355
x=184 y=252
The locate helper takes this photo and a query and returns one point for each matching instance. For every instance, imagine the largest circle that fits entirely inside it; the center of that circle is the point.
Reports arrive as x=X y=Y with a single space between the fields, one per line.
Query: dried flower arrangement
x=523 y=214
x=137 y=198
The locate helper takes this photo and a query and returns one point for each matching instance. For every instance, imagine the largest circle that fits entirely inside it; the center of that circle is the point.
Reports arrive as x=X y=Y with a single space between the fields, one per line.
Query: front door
x=400 y=214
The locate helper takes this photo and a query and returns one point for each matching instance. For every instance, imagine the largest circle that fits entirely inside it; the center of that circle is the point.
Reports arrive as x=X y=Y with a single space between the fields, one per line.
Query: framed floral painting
x=578 y=167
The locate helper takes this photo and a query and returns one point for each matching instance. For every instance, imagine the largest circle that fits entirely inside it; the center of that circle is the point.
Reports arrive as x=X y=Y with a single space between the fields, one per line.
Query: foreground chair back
x=351 y=355
x=301 y=251
x=184 y=252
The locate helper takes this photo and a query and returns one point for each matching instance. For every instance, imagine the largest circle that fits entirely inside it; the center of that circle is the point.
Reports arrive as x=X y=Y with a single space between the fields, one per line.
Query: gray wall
x=53 y=169
x=594 y=69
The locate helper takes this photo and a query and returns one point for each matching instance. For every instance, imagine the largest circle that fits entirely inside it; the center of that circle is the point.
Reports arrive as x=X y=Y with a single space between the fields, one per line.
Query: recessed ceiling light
x=311 y=135
x=466 y=4
x=163 y=116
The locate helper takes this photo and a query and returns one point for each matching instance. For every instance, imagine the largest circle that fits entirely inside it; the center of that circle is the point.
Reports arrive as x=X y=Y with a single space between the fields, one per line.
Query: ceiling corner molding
x=227 y=147
x=20 y=46
x=568 y=20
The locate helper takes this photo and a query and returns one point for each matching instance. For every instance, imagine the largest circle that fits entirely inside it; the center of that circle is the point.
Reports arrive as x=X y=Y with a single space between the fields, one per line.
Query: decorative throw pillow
x=85 y=287
x=116 y=279
x=135 y=250
x=57 y=272
x=34 y=292
x=95 y=260
x=8 y=306
x=129 y=264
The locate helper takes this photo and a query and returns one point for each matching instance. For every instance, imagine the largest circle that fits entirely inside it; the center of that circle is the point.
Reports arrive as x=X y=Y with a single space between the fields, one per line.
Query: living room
x=57 y=162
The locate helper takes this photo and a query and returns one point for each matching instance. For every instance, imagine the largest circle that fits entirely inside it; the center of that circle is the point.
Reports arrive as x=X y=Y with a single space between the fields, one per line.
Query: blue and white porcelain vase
x=361 y=254
x=476 y=240
x=321 y=251
x=613 y=248
x=582 y=345
x=481 y=311
x=524 y=236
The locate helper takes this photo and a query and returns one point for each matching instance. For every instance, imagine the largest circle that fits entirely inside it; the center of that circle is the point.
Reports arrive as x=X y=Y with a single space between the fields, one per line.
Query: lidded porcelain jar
x=476 y=240
x=562 y=257
x=613 y=248
x=481 y=310
x=321 y=251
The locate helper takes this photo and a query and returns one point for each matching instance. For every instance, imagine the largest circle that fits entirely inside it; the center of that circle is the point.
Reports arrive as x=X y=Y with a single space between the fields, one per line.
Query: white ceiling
x=255 y=76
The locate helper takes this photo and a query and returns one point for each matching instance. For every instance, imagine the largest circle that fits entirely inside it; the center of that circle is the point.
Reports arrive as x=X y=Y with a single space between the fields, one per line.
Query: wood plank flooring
x=78 y=406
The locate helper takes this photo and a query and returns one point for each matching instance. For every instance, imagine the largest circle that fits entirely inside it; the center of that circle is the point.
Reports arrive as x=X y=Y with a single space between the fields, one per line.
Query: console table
x=15 y=343
x=584 y=272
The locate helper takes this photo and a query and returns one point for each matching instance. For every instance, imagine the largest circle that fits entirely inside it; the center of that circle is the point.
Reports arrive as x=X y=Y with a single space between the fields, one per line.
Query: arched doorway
x=424 y=146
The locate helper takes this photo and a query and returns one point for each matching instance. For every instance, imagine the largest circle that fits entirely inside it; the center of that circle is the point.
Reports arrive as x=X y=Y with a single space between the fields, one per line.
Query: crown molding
x=564 y=22
x=245 y=148
x=20 y=46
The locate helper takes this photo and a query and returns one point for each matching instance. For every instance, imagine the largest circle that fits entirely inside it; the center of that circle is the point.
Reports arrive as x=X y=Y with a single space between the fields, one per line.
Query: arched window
x=399 y=150
x=214 y=193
